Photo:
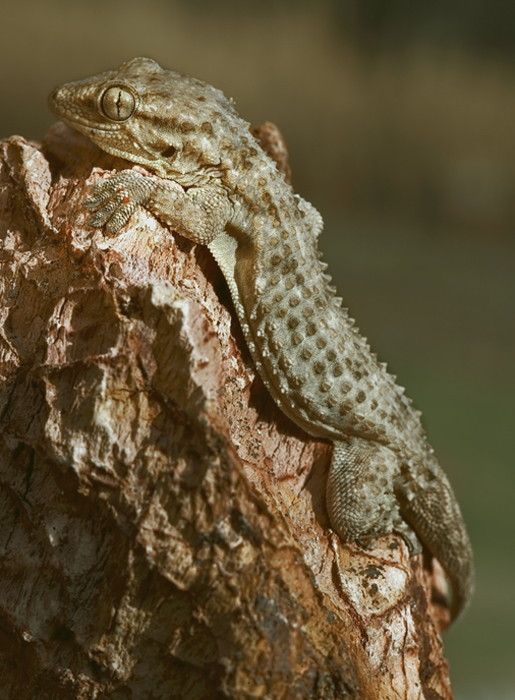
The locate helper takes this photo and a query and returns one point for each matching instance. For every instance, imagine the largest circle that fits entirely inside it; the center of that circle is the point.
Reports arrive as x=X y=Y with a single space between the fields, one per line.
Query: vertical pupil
x=118 y=104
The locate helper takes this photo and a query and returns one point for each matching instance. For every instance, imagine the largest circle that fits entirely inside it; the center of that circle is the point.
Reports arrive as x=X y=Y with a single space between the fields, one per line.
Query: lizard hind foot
x=360 y=491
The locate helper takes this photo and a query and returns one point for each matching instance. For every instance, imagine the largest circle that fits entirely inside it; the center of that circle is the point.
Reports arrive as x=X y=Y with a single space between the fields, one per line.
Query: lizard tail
x=435 y=516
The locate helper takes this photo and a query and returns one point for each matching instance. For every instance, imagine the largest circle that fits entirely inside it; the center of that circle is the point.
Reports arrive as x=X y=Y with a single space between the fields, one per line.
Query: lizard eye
x=118 y=104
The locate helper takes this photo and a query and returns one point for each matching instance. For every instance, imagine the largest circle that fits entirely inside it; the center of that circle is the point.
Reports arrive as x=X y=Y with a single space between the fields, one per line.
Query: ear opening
x=169 y=151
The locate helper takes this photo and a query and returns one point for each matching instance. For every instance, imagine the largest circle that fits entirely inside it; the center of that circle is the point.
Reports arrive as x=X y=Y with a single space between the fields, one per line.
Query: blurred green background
x=400 y=120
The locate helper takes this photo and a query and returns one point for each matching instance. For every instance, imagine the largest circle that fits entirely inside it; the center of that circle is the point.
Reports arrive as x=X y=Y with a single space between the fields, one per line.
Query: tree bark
x=163 y=532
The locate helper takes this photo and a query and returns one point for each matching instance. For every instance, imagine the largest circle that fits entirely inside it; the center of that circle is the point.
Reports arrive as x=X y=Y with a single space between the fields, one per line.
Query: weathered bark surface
x=163 y=533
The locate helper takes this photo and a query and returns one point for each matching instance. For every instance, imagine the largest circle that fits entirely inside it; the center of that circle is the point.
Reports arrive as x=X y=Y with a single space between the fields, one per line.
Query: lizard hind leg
x=360 y=493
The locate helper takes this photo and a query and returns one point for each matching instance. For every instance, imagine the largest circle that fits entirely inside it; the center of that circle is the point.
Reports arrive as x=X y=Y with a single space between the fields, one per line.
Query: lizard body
x=217 y=187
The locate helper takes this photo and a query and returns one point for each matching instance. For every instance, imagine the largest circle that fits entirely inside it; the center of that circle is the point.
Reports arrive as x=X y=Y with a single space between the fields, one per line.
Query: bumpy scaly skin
x=217 y=187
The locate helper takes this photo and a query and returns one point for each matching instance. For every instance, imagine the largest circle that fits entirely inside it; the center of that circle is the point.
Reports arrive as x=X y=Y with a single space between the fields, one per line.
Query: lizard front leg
x=361 y=501
x=199 y=213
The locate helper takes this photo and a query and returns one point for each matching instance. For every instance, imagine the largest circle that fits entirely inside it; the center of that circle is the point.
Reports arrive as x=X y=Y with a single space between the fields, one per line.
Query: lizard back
x=318 y=367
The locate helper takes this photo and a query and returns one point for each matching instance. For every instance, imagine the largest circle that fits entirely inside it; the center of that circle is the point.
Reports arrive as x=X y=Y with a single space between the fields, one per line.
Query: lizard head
x=174 y=125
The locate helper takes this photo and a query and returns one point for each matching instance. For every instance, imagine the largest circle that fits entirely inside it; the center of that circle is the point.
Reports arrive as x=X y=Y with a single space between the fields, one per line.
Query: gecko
x=210 y=180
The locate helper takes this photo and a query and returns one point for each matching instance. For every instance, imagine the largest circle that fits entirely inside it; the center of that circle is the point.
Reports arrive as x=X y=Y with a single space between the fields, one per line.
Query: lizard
x=207 y=178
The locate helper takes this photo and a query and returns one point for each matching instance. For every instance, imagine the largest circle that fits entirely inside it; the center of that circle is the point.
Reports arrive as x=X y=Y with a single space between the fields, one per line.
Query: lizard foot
x=360 y=493
x=115 y=199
